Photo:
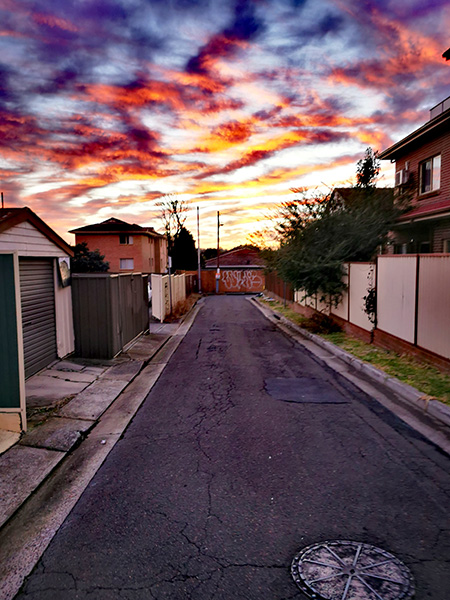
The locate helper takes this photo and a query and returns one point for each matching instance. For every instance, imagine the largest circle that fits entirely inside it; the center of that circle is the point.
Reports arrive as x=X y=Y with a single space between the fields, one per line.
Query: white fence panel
x=433 y=322
x=300 y=298
x=396 y=295
x=161 y=294
x=157 y=297
x=362 y=278
x=341 y=310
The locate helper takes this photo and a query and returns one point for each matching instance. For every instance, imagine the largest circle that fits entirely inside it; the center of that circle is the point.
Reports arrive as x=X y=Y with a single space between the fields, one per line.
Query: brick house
x=241 y=258
x=127 y=247
x=423 y=159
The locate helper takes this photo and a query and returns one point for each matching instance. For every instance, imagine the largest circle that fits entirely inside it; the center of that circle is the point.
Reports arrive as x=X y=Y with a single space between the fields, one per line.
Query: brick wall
x=141 y=251
x=434 y=231
x=440 y=145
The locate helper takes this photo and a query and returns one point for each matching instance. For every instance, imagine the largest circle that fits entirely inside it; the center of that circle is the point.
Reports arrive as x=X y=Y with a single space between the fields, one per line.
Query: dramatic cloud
x=106 y=106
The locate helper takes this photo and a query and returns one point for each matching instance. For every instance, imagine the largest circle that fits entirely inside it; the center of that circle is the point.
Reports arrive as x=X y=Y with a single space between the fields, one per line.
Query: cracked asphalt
x=216 y=484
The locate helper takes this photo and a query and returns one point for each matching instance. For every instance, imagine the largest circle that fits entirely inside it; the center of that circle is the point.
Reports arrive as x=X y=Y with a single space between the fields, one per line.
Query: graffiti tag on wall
x=244 y=281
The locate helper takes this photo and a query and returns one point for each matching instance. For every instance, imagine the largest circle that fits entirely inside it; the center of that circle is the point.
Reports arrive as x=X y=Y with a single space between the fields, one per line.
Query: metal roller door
x=38 y=313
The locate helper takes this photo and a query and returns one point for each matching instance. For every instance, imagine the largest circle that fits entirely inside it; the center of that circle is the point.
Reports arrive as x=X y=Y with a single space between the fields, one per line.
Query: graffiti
x=242 y=281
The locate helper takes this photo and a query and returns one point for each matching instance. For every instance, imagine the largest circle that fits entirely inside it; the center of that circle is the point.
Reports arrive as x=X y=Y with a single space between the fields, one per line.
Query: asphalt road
x=217 y=483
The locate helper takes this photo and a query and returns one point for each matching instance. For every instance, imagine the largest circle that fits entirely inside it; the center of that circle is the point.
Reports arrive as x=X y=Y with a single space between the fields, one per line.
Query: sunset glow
x=107 y=105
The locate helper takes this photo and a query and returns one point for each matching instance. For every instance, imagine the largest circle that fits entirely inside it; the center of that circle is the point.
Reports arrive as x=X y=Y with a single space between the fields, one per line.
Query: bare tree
x=173 y=216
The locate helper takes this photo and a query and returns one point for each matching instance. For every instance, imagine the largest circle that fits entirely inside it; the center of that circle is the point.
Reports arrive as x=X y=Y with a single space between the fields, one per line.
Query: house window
x=125 y=239
x=430 y=174
x=400 y=248
x=127 y=263
x=447 y=246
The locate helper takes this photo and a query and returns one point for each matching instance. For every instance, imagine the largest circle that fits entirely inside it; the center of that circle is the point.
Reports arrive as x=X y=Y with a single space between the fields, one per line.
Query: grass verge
x=407 y=369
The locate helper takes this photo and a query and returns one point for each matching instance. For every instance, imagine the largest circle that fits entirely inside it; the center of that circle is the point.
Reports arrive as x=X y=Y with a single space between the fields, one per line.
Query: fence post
x=348 y=292
x=416 y=300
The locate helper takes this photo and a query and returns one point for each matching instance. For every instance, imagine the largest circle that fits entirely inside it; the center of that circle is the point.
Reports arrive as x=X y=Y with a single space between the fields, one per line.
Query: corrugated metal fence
x=109 y=311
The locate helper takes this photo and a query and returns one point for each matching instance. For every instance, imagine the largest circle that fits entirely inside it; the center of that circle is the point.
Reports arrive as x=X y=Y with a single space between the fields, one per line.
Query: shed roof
x=9 y=217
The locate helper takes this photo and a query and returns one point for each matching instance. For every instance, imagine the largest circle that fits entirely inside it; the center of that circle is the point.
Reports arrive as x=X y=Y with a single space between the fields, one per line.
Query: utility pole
x=169 y=269
x=218 y=263
x=198 y=253
x=3 y=204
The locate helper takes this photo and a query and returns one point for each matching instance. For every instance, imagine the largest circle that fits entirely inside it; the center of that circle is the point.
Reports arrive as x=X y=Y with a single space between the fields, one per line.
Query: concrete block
x=8 y=439
x=57 y=434
x=22 y=469
x=76 y=376
x=66 y=365
x=97 y=371
x=146 y=346
x=93 y=401
x=125 y=371
x=45 y=391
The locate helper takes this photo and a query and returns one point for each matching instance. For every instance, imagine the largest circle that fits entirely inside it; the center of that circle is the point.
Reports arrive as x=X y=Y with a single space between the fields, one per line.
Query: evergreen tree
x=88 y=261
x=367 y=170
x=315 y=244
x=184 y=253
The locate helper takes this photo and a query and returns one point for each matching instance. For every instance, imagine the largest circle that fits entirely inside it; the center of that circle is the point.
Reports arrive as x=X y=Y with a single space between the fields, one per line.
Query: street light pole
x=218 y=245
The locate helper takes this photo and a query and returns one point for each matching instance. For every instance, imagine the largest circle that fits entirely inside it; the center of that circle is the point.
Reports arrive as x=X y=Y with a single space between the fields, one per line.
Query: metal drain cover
x=345 y=570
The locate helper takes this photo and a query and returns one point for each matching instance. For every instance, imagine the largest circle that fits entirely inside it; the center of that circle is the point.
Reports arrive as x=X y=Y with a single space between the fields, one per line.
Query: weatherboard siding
x=440 y=145
x=28 y=241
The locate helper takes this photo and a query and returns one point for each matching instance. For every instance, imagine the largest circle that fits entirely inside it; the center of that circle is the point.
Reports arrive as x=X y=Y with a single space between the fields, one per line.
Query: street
x=245 y=451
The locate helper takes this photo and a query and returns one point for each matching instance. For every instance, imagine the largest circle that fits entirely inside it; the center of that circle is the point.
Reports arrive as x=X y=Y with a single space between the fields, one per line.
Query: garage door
x=38 y=313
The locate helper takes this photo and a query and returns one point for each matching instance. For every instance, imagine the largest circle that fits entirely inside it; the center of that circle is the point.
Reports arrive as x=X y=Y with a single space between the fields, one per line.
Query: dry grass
x=182 y=308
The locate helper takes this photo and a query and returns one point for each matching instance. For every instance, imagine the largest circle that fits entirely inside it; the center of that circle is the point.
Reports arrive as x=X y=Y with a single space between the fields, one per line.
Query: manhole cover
x=344 y=570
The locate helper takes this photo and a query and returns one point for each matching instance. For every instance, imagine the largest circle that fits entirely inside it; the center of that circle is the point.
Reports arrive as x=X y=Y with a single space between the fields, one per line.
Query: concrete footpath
x=428 y=416
x=78 y=411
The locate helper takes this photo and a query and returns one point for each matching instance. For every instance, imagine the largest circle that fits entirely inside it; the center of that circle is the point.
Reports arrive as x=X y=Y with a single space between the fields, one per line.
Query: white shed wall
x=65 y=335
x=28 y=241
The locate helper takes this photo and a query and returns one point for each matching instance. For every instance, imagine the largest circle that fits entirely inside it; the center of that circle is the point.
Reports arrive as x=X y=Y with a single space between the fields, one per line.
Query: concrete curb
x=403 y=391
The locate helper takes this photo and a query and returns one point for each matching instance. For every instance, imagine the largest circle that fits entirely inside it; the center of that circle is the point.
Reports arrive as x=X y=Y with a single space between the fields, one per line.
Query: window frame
x=126 y=268
x=128 y=239
x=434 y=177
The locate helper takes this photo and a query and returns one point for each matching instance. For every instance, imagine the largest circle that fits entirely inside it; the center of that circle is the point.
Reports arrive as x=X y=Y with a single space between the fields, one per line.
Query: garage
x=37 y=296
x=35 y=280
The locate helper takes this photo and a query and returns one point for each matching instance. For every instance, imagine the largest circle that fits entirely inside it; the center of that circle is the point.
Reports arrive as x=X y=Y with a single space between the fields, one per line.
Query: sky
x=106 y=106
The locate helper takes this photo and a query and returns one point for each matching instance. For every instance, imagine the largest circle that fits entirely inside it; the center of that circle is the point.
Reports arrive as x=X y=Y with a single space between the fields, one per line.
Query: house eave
x=433 y=217
x=403 y=145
